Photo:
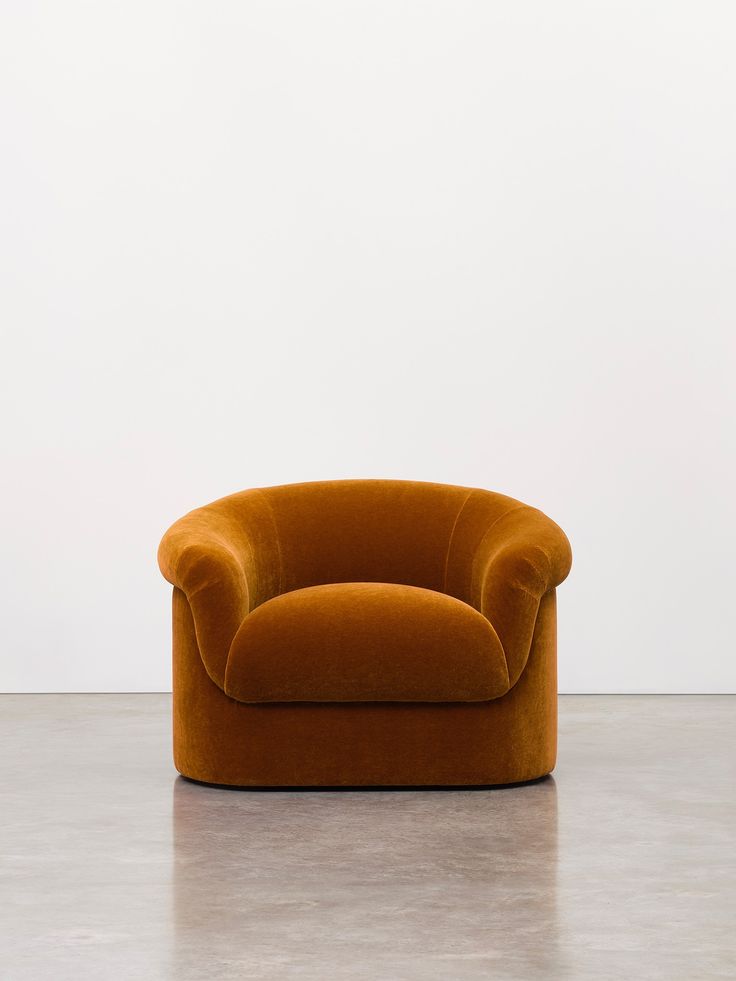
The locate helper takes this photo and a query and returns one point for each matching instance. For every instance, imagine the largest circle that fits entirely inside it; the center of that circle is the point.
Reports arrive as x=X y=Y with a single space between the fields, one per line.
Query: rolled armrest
x=523 y=555
x=198 y=558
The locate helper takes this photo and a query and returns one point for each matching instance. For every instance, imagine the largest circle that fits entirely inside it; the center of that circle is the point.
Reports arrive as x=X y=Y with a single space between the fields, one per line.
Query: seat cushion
x=365 y=642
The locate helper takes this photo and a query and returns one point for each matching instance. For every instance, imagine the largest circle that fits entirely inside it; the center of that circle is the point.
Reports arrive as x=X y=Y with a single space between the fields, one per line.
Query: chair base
x=220 y=741
x=370 y=788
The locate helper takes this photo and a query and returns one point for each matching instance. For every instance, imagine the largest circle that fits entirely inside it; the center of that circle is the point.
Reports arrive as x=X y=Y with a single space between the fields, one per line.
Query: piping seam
x=452 y=535
x=278 y=539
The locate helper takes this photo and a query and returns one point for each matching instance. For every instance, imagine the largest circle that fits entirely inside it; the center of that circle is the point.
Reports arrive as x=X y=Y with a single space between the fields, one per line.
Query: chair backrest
x=378 y=531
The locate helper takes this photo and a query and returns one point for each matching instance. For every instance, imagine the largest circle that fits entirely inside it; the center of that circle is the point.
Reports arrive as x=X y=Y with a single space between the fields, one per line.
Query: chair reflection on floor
x=365 y=883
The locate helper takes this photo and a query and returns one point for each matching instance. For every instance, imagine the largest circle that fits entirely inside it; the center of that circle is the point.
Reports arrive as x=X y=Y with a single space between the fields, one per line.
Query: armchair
x=364 y=632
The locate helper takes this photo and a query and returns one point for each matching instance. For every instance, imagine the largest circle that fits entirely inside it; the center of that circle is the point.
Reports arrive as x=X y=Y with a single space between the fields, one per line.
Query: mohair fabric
x=365 y=642
x=369 y=632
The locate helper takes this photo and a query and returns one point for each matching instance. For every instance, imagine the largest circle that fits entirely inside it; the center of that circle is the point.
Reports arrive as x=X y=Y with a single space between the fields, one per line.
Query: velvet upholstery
x=366 y=632
x=365 y=642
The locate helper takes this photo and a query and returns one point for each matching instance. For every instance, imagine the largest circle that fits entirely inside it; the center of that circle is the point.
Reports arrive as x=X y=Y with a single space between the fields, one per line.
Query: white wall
x=251 y=243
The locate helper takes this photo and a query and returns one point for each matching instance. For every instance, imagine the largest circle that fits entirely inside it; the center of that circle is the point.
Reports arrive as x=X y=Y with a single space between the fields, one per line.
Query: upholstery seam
x=278 y=539
x=505 y=514
x=495 y=521
x=452 y=535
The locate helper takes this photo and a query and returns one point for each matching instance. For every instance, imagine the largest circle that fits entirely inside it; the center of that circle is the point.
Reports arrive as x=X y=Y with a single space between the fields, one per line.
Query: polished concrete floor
x=623 y=866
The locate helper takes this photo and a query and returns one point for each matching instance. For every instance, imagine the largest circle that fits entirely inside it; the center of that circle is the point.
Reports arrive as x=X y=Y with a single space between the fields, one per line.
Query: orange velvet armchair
x=364 y=632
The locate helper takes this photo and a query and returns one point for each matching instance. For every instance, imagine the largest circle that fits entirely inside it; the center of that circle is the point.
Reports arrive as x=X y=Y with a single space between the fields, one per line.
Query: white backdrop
x=251 y=243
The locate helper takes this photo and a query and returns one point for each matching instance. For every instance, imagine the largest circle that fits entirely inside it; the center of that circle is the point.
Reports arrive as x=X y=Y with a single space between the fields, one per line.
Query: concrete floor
x=623 y=866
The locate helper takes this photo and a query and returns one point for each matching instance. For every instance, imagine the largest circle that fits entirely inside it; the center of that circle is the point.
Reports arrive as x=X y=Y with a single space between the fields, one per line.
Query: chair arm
x=201 y=555
x=523 y=555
